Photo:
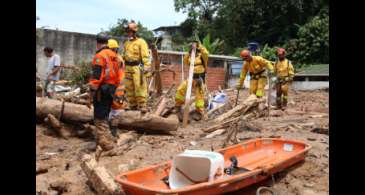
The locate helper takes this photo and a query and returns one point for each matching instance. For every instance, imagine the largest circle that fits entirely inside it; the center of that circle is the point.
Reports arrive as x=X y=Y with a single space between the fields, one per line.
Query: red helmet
x=245 y=53
x=281 y=51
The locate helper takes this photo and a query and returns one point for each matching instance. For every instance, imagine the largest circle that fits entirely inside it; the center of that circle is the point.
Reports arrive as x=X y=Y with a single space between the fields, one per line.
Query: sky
x=90 y=16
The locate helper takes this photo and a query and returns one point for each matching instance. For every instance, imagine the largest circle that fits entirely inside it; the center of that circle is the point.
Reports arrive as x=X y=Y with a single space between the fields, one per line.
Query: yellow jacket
x=284 y=68
x=200 y=66
x=256 y=65
x=136 y=50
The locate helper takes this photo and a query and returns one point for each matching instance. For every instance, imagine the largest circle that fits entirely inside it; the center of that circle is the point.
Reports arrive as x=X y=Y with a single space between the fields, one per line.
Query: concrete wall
x=72 y=47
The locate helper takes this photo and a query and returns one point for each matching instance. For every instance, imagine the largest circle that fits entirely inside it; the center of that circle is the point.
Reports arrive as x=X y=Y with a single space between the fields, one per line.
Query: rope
x=263 y=188
x=62 y=110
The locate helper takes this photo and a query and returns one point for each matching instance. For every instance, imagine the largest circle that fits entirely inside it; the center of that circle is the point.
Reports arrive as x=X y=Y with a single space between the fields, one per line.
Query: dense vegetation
x=226 y=26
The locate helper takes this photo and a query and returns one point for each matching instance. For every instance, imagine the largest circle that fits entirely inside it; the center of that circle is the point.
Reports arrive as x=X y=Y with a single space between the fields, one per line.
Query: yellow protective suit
x=136 y=51
x=199 y=95
x=201 y=60
x=284 y=70
x=256 y=67
x=200 y=67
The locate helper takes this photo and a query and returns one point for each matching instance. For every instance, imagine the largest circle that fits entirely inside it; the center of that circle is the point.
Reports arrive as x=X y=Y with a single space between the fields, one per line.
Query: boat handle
x=223 y=185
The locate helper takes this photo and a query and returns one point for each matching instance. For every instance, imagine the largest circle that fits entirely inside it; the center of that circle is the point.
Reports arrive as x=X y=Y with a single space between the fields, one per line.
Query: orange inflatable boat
x=255 y=159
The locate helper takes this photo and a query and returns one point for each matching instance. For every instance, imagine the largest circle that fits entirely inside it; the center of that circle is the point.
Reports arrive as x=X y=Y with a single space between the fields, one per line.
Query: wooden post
x=157 y=77
x=188 y=90
x=182 y=68
x=226 y=73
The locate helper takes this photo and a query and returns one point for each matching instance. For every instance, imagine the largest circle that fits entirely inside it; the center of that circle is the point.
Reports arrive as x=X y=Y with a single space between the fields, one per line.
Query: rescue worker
x=103 y=83
x=284 y=71
x=137 y=68
x=200 y=69
x=118 y=100
x=256 y=66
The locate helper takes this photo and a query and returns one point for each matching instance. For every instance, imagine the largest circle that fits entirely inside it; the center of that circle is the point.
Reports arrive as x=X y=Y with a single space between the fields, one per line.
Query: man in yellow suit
x=256 y=66
x=285 y=73
x=200 y=69
x=137 y=68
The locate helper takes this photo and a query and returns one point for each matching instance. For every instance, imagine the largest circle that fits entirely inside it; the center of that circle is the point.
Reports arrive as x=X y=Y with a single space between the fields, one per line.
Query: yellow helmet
x=112 y=43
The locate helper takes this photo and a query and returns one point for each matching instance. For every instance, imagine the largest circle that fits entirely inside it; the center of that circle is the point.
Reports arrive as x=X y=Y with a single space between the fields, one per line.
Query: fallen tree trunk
x=132 y=120
x=71 y=112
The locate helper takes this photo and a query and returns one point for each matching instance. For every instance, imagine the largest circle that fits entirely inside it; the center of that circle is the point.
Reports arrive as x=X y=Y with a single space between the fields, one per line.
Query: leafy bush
x=269 y=53
x=81 y=75
x=214 y=47
x=312 y=46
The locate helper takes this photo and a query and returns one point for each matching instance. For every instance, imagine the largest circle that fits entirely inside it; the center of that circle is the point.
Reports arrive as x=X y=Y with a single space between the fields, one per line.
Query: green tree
x=214 y=47
x=312 y=45
x=119 y=30
x=240 y=21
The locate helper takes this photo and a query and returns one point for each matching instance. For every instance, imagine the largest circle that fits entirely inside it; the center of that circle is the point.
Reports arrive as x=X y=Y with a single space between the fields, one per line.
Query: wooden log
x=71 y=112
x=161 y=106
x=132 y=120
x=100 y=179
x=241 y=109
x=220 y=125
x=53 y=122
x=210 y=112
x=215 y=133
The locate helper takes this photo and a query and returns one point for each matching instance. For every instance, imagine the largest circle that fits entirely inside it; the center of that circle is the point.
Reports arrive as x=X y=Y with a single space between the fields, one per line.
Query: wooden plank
x=182 y=68
x=188 y=90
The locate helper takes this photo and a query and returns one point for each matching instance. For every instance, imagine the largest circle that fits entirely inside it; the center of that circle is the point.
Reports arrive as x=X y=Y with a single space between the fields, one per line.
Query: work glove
x=274 y=79
x=147 y=72
x=238 y=87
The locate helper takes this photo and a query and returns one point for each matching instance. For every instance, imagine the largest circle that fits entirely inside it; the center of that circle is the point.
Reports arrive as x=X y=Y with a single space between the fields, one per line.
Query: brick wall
x=215 y=77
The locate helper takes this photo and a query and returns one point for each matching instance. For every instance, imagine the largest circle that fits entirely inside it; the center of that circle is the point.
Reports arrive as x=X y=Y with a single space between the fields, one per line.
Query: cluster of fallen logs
x=130 y=120
x=237 y=117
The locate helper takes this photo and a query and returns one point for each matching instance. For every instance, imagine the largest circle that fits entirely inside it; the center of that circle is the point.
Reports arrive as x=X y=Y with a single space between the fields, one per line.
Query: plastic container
x=195 y=166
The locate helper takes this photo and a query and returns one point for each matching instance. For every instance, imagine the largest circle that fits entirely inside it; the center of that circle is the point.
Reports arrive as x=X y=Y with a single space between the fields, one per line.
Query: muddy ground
x=62 y=157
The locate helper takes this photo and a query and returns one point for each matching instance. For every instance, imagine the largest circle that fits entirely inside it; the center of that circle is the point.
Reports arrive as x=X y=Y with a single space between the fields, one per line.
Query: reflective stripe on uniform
x=179 y=97
x=259 y=93
x=199 y=103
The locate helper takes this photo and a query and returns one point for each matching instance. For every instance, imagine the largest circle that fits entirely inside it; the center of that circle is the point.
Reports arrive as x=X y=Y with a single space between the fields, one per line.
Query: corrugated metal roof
x=223 y=57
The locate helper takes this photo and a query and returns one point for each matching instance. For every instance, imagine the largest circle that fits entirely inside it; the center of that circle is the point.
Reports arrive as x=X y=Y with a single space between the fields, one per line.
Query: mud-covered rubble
x=62 y=157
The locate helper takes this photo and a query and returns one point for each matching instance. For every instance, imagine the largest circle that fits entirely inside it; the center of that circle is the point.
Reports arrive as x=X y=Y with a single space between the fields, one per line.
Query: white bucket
x=198 y=165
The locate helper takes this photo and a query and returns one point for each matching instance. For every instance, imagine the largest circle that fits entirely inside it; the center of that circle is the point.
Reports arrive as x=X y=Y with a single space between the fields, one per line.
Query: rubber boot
x=104 y=137
x=113 y=128
x=285 y=103
x=278 y=103
x=143 y=109
x=197 y=116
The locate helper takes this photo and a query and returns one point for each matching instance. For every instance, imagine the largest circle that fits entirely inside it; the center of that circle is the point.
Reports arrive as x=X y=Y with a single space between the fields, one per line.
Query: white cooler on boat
x=195 y=166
